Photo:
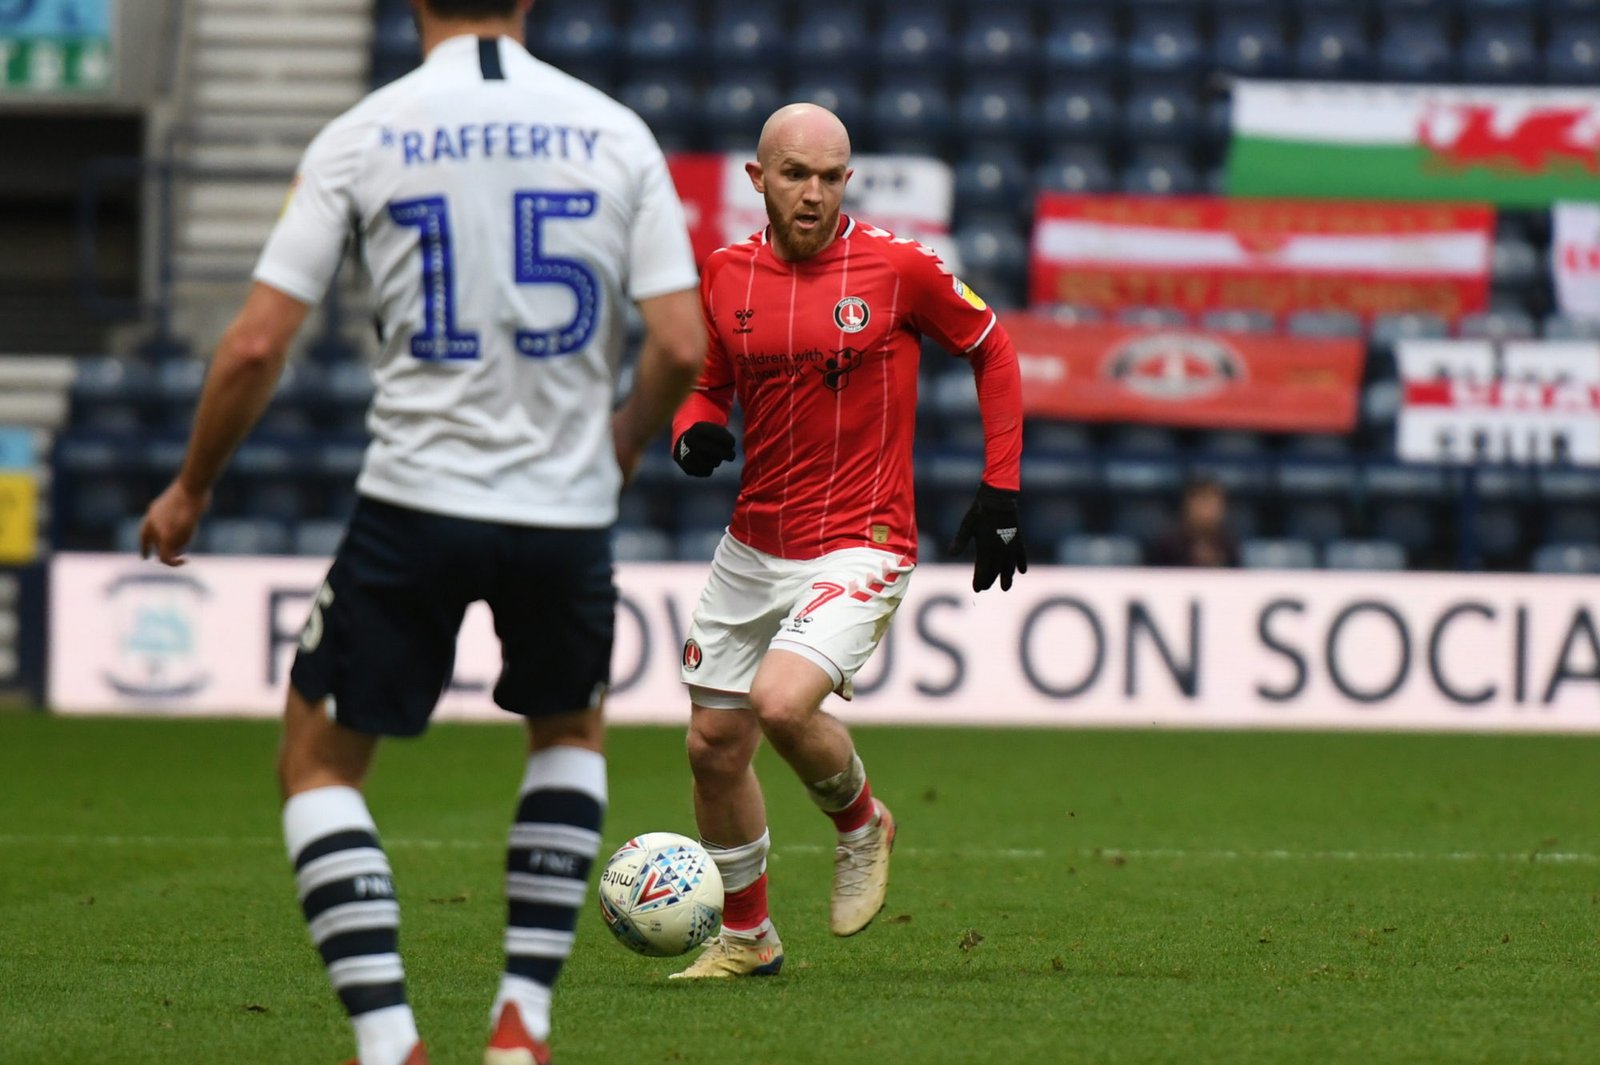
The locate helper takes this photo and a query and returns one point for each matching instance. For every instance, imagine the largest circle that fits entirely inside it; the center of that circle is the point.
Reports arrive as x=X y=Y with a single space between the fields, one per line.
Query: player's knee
x=783 y=716
x=719 y=752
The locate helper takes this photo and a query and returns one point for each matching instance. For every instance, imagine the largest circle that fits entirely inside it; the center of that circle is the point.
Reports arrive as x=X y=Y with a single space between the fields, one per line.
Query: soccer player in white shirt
x=506 y=212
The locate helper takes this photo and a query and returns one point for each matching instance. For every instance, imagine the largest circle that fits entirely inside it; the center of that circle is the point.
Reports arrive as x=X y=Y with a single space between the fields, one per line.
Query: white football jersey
x=506 y=210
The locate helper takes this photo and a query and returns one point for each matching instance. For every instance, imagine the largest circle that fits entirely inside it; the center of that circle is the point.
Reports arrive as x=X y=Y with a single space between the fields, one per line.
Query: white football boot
x=861 y=875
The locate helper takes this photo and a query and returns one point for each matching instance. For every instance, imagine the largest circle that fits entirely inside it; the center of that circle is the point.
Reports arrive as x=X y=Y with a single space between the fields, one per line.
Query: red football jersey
x=822 y=356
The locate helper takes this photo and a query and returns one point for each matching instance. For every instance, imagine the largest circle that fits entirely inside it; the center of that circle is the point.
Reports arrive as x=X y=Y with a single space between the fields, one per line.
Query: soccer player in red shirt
x=815 y=327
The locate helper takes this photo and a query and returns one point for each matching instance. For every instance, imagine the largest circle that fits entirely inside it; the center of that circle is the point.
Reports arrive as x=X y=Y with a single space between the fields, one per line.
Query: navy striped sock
x=552 y=847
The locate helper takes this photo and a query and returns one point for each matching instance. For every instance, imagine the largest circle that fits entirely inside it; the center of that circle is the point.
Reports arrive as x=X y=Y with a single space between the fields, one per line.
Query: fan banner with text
x=1473 y=401
x=1201 y=253
x=1508 y=145
x=908 y=195
x=1187 y=377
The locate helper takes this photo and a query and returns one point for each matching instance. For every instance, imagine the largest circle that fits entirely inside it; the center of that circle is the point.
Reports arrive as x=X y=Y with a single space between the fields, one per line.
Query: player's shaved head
x=802 y=165
x=802 y=127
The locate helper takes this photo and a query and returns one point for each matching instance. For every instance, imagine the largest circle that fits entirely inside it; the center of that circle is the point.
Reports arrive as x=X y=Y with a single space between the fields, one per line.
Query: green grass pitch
x=1093 y=897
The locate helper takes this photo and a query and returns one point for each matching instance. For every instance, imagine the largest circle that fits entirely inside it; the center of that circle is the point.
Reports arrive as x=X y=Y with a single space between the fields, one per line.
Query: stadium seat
x=277 y=499
x=1567 y=558
x=998 y=39
x=994 y=181
x=573 y=34
x=1572 y=51
x=911 y=115
x=1409 y=524
x=633 y=544
x=1573 y=524
x=316 y=538
x=1051 y=517
x=747 y=34
x=1364 y=555
x=244 y=536
x=1143 y=440
x=1080 y=40
x=1161 y=115
x=1250 y=43
x=1499 y=51
x=735 y=109
x=1277 y=554
x=1332 y=45
x=1077 y=169
x=1239 y=321
x=1069 y=314
x=1496 y=325
x=915 y=38
x=1164 y=41
x=1081 y=550
x=1078 y=112
x=109 y=394
x=698 y=545
x=663 y=37
x=831 y=39
x=1153 y=317
x=1315 y=520
x=98 y=503
x=669 y=105
x=1560 y=327
x=1499 y=531
x=839 y=93
x=1230 y=443
x=1516 y=264
x=994 y=110
x=1140 y=519
x=1159 y=172
x=999 y=256
x=1323 y=324
x=1414 y=47
x=1389 y=329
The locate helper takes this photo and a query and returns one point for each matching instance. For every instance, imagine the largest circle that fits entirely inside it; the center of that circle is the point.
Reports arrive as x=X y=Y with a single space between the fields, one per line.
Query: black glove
x=702 y=448
x=992 y=520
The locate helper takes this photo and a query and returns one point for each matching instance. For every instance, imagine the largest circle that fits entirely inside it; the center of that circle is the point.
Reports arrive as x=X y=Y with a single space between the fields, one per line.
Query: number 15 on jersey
x=441 y=336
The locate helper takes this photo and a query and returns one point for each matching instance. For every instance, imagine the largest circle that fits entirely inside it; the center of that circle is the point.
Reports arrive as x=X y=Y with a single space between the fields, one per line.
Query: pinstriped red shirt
x=822 y=356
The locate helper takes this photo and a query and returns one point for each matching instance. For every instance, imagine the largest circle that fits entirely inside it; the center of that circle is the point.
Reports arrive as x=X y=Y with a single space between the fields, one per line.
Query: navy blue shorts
x=381 y=639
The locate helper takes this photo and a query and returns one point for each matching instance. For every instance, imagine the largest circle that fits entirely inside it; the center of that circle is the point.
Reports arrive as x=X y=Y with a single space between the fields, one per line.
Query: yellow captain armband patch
x=967 y=294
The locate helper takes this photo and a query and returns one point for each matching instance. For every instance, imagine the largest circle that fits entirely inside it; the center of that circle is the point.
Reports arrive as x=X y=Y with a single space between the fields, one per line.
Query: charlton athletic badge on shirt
x=851 y=314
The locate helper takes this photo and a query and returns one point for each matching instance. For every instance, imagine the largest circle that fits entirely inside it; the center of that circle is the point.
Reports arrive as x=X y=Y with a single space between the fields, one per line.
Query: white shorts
x=832 y=610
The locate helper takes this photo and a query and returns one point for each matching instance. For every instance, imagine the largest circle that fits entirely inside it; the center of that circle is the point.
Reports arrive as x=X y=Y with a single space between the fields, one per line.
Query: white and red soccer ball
x=661 y=894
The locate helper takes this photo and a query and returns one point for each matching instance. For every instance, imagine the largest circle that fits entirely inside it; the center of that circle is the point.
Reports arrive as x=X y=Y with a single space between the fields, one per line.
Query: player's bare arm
x=674 y=352
x=244 y=373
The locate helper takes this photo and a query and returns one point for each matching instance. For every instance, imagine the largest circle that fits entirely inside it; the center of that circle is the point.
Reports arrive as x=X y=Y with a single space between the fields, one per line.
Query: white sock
x=386 y=1036
x=333 y=843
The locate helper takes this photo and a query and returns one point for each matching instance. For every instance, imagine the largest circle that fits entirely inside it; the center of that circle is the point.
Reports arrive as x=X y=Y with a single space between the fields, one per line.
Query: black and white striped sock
x=552 y=848
x=347 y=894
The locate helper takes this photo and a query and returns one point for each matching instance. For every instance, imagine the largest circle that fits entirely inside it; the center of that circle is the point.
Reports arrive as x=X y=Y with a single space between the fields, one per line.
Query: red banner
x=1201 y=253
x=1187 y=377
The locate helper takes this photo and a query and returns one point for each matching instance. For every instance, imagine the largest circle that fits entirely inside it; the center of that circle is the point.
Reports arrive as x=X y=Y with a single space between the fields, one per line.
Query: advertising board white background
x=1065 y=647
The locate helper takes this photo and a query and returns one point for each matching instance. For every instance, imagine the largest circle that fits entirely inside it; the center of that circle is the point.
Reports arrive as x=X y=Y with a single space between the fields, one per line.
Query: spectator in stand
x=1201 y=537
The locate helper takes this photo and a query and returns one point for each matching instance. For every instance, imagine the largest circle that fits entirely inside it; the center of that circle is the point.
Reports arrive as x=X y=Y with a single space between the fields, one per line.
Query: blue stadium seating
x=1081 y=41
x=915 y=38
x=1086 y=550
x=1499 y=51
x=1332 y=45
x=1158 y=171
x=735 y=110
x=911 y=114
x=831 y=39
x=1416 y=48
x=1251 y=43
x=1077 y=169
x=994 y=110
x=575 y=35
x=1078 y=112
x=1165 y=41
x=1567 y=558
x=841 y=94
x=995 y=182
x=1364 y=555
x=1277 y=554
x=670 y=105
x=1572 y=51
x=665 y=35
x=316 y=538
x=747 y=34
x=1162 y=114
x=998 y=39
